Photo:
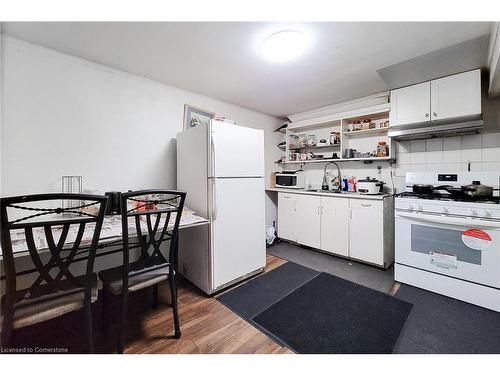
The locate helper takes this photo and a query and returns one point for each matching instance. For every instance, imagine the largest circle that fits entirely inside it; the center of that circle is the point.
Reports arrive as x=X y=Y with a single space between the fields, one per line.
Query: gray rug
x=332 y=315
x=258 y=294
x=439 y=324
x=359 y=273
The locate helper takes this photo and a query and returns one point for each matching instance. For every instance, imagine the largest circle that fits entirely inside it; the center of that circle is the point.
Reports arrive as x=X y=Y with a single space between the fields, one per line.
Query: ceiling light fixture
x=284 y=46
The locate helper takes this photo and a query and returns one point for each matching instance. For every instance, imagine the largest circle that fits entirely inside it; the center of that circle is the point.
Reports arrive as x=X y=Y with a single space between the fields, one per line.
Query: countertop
x=342 y=195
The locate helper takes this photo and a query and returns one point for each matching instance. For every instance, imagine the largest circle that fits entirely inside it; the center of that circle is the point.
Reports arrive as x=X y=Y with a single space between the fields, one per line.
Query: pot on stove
x=477 y=190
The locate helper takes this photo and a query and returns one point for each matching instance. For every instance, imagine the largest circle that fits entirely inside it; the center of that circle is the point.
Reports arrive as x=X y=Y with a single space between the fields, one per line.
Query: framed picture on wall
x=196 y=116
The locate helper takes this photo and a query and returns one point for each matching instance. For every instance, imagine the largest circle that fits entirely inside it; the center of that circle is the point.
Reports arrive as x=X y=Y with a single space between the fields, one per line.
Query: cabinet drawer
x=366 y=203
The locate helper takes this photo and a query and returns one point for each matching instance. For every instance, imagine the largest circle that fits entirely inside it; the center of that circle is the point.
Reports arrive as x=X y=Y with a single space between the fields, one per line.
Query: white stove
x=449 y=243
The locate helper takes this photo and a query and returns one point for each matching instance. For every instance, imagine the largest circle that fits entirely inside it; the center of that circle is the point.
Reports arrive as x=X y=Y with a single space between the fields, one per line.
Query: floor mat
x=439 y=324
x=332 y=315
x=258 y=294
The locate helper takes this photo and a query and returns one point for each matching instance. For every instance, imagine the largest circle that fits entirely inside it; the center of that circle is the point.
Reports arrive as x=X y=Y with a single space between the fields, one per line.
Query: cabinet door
x=287 y=217
x=410 y=104
x=456 y=96
x=308 y=220
x=366 y=231
x=335 y=225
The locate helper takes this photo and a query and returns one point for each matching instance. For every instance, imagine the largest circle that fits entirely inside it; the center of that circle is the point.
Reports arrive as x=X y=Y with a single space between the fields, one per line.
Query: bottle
x=333 y=138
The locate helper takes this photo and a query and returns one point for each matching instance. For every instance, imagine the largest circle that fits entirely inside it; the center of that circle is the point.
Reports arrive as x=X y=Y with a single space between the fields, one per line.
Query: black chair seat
x=142 y=274
x=38 y=304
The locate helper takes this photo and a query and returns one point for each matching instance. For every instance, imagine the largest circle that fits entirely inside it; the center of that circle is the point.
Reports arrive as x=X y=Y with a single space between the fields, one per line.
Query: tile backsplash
x=448 y=154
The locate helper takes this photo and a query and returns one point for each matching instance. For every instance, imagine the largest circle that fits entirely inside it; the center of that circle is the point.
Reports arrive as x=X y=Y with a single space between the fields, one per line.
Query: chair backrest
x=43 y=216
x=153 y=216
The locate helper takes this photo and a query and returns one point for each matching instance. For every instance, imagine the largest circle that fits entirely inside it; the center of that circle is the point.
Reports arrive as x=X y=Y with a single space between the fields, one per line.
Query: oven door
x=464 y=248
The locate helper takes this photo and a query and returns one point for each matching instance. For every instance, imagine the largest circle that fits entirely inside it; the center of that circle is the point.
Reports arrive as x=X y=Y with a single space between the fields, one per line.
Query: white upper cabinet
x=456 y=96
x=450 y=97
x=411 y=104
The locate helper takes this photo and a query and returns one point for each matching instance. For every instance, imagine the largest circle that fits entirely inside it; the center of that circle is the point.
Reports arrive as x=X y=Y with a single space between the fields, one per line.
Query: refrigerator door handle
x=214 y=199
x=212 y=161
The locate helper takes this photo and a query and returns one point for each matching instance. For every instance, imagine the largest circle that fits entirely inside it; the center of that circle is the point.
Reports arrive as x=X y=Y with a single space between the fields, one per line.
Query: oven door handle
x=462 y=222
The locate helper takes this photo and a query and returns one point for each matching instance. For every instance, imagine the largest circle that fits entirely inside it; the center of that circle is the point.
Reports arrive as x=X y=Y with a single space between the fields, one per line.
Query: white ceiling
x=221 y=60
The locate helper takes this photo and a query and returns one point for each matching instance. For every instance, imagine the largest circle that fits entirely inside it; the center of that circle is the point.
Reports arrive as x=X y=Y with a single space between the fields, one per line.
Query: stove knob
x=487 y=213
x=473 y=212
x=411 y=206
x=420 y=207
x=445 y=210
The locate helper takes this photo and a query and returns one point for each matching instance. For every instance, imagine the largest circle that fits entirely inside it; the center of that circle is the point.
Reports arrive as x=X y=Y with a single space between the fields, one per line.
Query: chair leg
x=155 y=296
x=123 y=323
x=88 y=325
x=173 y=294
x=7 y=334
x=105 y=310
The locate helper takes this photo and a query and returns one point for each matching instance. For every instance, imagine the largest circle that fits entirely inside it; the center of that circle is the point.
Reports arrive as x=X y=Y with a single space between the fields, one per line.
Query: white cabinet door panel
x=287 y=220
x=335 y=225
x=366 y=234
x=456 y=96
x=410 y=104
x=309 y=220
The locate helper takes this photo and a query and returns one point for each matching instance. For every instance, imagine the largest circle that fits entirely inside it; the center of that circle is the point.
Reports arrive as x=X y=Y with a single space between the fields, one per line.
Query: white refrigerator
x=221 y=167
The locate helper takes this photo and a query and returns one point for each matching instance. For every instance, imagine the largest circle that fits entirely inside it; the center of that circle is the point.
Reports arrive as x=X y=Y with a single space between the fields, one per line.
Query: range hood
x=435 y=129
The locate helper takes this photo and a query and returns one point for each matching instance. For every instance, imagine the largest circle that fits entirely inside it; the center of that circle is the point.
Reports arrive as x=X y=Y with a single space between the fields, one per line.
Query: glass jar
x=382 y=149
x=302 y=140
x=311 y=140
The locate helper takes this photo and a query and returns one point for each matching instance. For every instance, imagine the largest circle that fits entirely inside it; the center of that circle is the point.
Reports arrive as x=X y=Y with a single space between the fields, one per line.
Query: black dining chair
x=28 y=226
x=149 y=217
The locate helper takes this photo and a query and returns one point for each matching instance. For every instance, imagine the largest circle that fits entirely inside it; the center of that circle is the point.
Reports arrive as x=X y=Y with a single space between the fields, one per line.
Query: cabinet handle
x=426 y=115
x=350 y=213
x=321 y=210
x=366 y=204
x=435 y=114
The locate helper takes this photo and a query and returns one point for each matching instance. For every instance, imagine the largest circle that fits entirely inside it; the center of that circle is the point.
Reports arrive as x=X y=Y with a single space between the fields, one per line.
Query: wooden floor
x=207 y=327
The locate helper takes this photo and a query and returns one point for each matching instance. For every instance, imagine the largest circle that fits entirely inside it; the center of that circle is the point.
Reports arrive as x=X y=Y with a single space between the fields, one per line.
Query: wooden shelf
x=355 y=133
x=385 y=158
x=314 y=147
x=364 y=141
x=373 y=158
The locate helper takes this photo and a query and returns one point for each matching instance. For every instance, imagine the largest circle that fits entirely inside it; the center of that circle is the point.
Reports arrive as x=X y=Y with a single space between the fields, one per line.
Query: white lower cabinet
x=366 y=231
x=335 y=226
x=308 y=220
x=362 y=229
x=287 y=220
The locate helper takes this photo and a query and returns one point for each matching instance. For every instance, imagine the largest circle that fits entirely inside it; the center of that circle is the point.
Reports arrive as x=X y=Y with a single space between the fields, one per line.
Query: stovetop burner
x=449 y=197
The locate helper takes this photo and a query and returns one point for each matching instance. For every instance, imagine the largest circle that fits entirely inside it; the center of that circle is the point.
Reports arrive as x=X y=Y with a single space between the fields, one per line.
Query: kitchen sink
x=330 y=191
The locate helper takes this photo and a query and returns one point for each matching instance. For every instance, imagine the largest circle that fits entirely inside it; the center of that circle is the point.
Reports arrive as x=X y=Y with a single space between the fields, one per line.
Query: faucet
x=324 y=185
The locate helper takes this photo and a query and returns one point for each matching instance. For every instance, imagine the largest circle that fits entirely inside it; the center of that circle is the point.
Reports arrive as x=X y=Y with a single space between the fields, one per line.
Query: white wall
x=63 y=115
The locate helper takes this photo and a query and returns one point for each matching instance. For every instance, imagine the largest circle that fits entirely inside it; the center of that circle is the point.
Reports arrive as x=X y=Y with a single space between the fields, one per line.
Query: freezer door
x=238 y=228
x=236 y=151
